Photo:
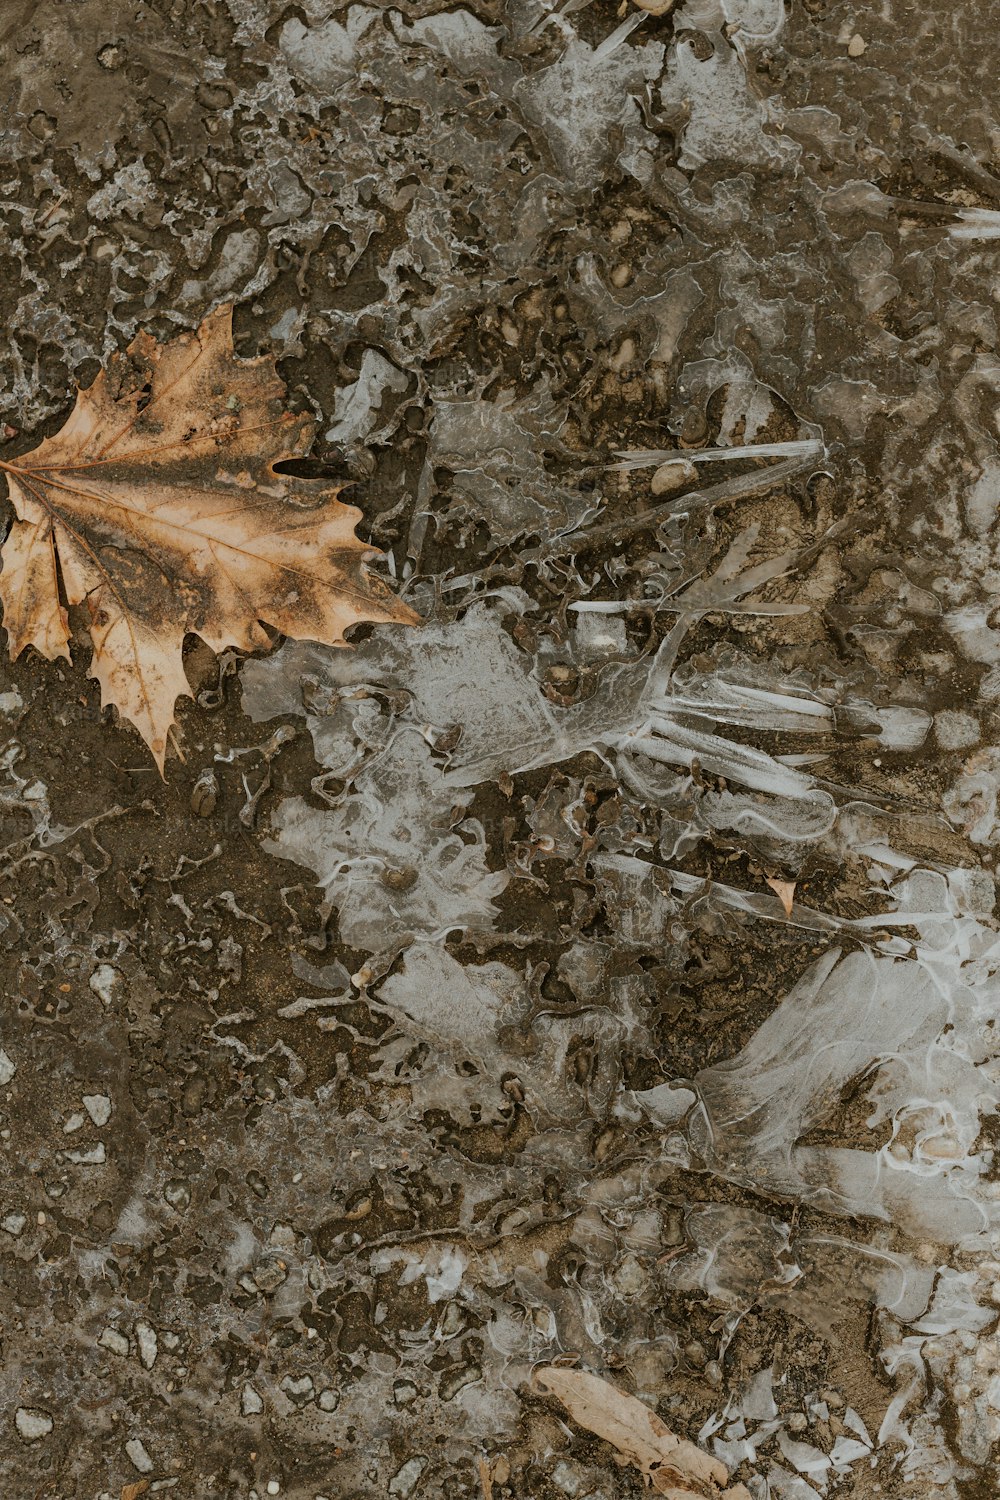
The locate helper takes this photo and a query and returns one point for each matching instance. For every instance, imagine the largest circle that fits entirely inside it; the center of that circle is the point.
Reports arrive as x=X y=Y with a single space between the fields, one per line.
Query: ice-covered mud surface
x=607 y=970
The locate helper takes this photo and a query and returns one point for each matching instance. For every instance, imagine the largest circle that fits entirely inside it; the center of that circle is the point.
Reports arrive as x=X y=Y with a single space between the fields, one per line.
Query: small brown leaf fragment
x=674 y=1467
x=785 y=892
x=133 y=1491
x=159 y=508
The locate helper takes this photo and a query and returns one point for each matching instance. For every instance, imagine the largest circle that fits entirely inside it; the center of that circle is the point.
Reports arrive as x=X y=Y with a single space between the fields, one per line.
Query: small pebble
x=250 y=1402
x=404 y=1481
x=146 y=1339
x=205 y=794
x=298 y=1391
x=98 y=1107
x=567 y=1477
x=856 y=46
x=32 y=1424
x=269 y=1274
x=114 y=1341
x=93 y=1156
x=138 y=1457
x=103 y=982
x=177 y=1193
x=673 y=476
x=112 y=56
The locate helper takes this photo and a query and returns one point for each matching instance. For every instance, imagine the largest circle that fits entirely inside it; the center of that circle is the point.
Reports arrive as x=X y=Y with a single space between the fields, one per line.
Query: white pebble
x=250 y=1402
x=145 y=1337
x=298 y=1390
x=98 y=1107
x=103 y=982
x=32 y=1424
x=404 y=1481
x=94 y=1156
x=138 y=1456
x=7 y=1069
x=116 y=1342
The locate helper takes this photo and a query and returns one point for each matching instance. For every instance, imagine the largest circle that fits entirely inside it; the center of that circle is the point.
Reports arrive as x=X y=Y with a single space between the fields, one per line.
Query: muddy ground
x=434 y=1018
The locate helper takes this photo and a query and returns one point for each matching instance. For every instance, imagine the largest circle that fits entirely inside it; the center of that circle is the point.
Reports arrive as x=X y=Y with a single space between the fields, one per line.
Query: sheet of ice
x=493 y=451
x=752 y=21
x=464 y=674
x=462 y=37
x=452 y=1000
x=392 y=857
x=743 y=1257
x=660 y=314
x=641 y=458
x=323 y=56
x=356 y=408
x=725 y=119
x=748 y=403
x=468 y=688
x=586 y=101
x=731 y=699
x=757 y=1402
x=676 y=744
x=845 y=1017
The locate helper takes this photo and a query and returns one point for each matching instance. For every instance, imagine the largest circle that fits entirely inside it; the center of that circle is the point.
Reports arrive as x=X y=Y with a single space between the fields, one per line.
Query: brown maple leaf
x=673 y=1467
x=159 y=508
x=785 y=892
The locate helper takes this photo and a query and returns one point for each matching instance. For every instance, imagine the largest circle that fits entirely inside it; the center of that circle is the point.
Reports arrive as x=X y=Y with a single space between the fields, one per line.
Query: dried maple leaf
x=672 y=1466
x=158 y=507
x=785 y=892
